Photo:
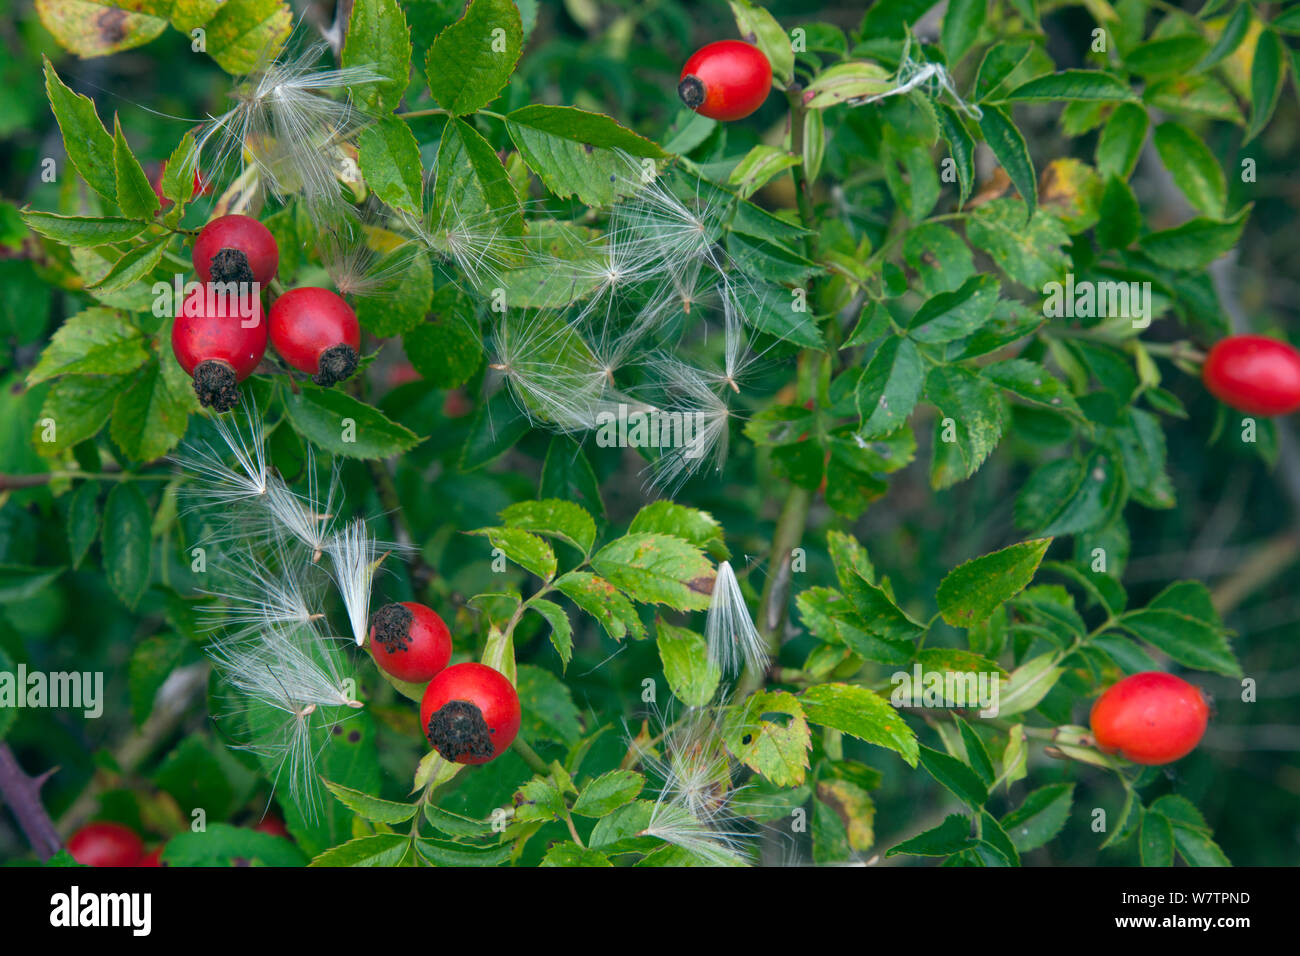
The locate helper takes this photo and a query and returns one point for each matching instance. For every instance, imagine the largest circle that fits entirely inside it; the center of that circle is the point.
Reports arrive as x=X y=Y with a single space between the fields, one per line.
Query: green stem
x=11 y=482
x=775 y=598
x=530 y=756
x=802 y=188
x=417 y=114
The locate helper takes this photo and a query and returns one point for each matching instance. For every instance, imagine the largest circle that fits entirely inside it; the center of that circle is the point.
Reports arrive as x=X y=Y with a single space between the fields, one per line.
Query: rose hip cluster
x=219 y=336
x=470 y=712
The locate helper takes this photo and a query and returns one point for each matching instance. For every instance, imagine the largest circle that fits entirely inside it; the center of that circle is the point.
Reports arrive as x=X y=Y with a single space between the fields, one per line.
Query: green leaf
x=1072 y=85
x=371 y=808
x=1032 y=383
x=1195 y=95
x=844 y=789
x=135 y=195
x=889 y=387
x=760 y=28
x=962 y=23
x=657 y=569
x=577 y=153
x=127 y=542
x=82 y=230
x=1028 y=684
x=1195 y=244
x=1180 y=811
x=1197 y=849
x=1156 y=840
x=954 y=315
x=380 y=849
x=845 y=83
x=91 y=29
x=1040 y=816
x=446 y=853
x=1166 y=56
x=83 y=521
x=940 y=257
x=342 y=425
x=690 y=524
x=18 y=582
x=1234 y=31
x=132 y=267
x=180 y=169
x=878 y=612
x=1000 y=61
x=1121 y=216
x=95 y=341
x=87 y=143
x=556 y=517
x=1121 y=140
x=455 y=825
x=242 y=33
x=961 y=146
x=378 y=38
x=569 y=854
x=760 y=165
x=860 y=713
x=685 y=656
x=974 y=590
x=1181 y=622
x=608 y=792
x=1267 y=73
x=977 y=754
x=152 y=662
x=224 y=845
x=151 y=415
x=471 y=60
x=447 y=349
x=602 y=601
x=1194 y=168
x=472 y=181
x=1066 y=496
x=1031 y=255
x=955 y=777
x=969 y=427
x=951 y=836
x=830 y=616
x=523 y=548
x=561 y=629
x=1012 y=153
x=768 y=733
x=78 y=405
x=996 y=839
x=390 y=161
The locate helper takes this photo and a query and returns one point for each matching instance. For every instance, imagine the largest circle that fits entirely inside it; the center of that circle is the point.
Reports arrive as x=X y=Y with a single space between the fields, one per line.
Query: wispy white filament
x=352 y=565
x=292 y=130
x=733 y=640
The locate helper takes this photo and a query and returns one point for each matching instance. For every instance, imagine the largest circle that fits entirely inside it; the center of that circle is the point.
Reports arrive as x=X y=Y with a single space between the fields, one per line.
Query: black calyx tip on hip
x=336 y=363
x=691 y=90
x=458 y=730
x=230 y=265
x=215 y=385
x=392 y=627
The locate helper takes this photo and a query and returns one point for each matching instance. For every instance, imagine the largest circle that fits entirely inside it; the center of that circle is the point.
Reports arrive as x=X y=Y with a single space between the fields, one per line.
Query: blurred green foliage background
x=1236 y=524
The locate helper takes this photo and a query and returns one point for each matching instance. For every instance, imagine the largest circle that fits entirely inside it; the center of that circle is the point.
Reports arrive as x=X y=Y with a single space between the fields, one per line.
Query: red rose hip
x=470 y=713
x=219 y=339
x=1151 y=718
x=106 y=844
x=236 y=248
x=316 y=332
x=1254 y=374
x=410 y=641
x=727 y=80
